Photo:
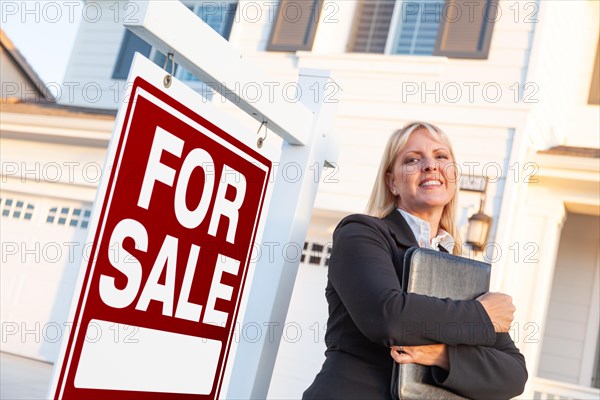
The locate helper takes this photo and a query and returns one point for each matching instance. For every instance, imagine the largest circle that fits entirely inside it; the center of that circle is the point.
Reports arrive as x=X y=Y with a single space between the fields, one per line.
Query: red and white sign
x=172 y=242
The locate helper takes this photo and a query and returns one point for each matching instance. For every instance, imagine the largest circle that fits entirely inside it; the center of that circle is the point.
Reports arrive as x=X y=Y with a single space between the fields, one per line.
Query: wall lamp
x=479 y=223
x=479 y=228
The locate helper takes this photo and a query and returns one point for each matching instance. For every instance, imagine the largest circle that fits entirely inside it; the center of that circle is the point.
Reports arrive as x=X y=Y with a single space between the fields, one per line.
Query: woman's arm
x=480 y=372
x=362 y=271
x=428 y=354
x=476 y=372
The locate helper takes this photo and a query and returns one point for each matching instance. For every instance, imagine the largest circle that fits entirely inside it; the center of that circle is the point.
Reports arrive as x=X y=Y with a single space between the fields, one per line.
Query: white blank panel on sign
x=149 y=360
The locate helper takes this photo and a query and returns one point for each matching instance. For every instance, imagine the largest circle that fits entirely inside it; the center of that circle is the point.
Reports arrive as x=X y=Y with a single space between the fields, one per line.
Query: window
x=452 y=28
x=218 y=15
x=69 y=216
x=317 y=255
x=17 y=209
x=131 y=43
x=295 y=25
x=418 y=27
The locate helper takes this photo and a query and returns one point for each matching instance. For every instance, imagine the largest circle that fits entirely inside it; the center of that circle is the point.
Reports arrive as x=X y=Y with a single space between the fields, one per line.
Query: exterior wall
x=45 y=155
x=531 y=275
x=378 y=96
x=571 y=310
x=565 y=47
x=88 y=80
x=379 y=93
x=45 y=167
x=365 y=120
x=51 y=164
x=534 y=268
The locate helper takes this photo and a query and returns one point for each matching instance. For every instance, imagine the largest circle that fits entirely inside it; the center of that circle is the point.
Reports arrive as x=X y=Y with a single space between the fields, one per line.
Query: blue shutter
x=295 y=25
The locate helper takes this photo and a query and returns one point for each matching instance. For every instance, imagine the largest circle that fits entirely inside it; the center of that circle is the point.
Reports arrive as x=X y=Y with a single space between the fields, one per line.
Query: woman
x=412 y=204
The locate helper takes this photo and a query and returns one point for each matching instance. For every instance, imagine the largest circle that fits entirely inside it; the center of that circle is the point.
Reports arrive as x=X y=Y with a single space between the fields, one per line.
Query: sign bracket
x=171 y=27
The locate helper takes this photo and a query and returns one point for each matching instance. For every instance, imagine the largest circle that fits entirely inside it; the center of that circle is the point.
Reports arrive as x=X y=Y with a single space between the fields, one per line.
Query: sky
x=44 y=32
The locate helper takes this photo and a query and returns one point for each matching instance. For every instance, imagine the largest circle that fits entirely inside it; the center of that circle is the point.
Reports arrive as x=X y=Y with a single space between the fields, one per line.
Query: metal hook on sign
x=168 y=79
x=261 y=140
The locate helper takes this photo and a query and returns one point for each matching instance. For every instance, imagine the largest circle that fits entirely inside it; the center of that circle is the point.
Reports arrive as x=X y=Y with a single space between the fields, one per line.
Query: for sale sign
x=174 y=228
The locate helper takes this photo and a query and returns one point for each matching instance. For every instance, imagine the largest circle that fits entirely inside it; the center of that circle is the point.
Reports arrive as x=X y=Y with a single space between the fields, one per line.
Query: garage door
x=302 y=345
x=43 y=243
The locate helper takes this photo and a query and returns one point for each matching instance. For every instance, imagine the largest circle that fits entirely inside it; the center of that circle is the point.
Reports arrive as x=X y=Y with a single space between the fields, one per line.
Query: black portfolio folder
x=442 y=275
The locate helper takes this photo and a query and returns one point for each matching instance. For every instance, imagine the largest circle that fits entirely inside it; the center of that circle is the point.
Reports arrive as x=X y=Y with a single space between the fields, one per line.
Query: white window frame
x=446 y=35
x=394 y=26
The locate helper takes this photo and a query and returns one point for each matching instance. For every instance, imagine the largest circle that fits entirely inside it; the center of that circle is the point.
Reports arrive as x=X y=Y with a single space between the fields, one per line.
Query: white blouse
x=422 y=231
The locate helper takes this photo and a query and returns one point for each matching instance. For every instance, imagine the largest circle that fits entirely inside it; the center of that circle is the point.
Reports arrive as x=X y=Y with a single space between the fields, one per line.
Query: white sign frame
x=306 y=128
x=143 y=67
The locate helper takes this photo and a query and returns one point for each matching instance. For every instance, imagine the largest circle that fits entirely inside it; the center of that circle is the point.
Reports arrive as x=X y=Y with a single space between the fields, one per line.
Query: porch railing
x=546 y=389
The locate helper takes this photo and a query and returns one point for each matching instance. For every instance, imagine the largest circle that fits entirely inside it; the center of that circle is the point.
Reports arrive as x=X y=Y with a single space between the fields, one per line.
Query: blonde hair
x=382 y=202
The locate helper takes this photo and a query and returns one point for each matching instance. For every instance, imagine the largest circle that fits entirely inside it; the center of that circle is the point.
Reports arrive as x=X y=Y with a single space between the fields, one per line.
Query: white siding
x=564 y=341
x=561 y=67
x=96 y=48
x=88 y=80
x=41 y=167
x=251 y=27
x=374 y=97
x=98 y=43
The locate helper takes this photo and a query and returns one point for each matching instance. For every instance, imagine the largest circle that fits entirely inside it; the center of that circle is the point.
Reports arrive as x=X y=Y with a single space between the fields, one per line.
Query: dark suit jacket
x=369 y=312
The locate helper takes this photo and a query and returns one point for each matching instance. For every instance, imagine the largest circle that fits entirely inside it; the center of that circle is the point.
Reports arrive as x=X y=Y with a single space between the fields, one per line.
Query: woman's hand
x=499 y=308
x=432 y=354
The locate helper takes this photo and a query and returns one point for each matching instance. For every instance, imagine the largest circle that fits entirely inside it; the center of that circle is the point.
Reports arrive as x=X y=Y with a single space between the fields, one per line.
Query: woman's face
x=423 y=174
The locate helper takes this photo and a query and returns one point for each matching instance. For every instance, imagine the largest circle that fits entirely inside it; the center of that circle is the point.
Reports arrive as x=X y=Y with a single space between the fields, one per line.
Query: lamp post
x=479 y=227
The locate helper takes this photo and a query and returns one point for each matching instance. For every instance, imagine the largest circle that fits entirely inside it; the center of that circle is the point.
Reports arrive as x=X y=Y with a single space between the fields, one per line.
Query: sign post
x=177 y=225
x=286 y=228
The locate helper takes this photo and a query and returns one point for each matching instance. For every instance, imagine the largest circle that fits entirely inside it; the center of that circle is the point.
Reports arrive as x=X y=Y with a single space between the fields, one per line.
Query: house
x=19 y=81
x=514 y=84
x=52 y=156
